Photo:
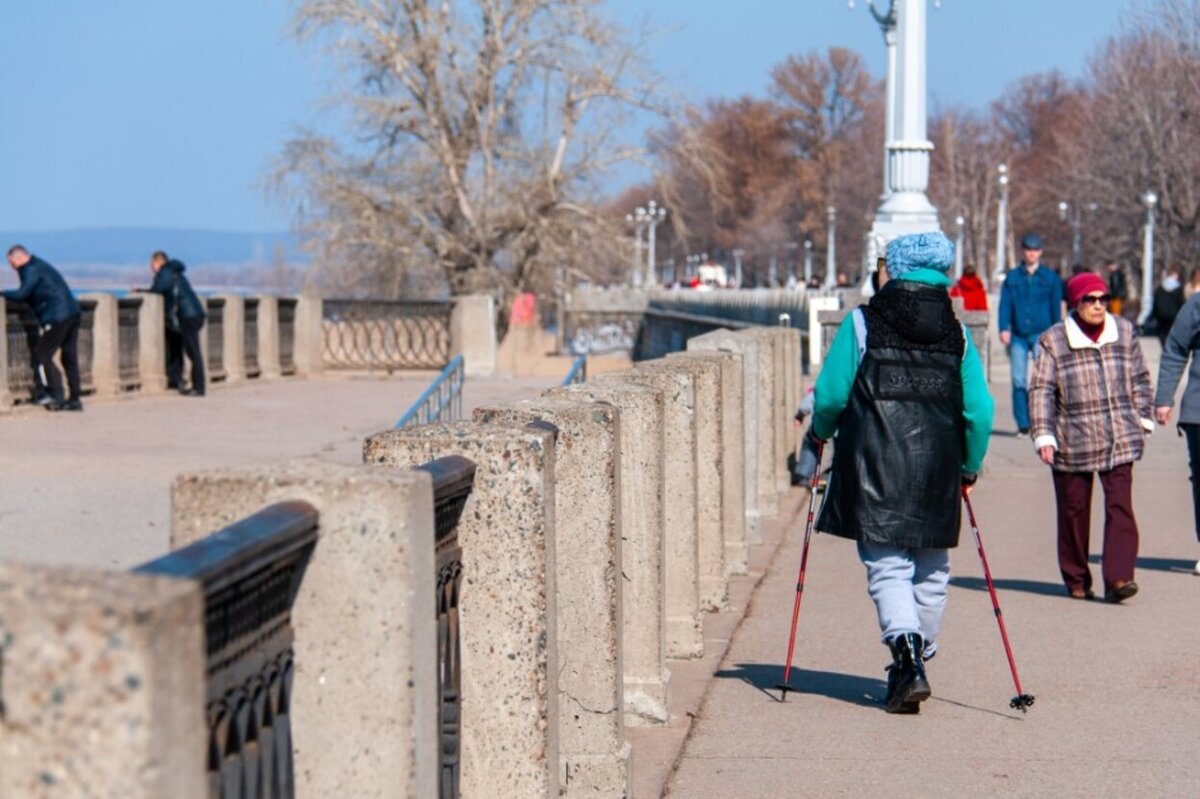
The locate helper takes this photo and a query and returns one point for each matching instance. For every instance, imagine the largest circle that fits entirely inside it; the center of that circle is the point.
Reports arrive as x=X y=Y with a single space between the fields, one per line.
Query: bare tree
x=482 y=133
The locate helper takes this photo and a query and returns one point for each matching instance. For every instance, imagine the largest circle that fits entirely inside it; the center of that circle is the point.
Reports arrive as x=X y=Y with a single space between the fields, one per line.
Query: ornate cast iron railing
x=22 y=331
x=251 y=572
x=442 y=401
x=578 y=373
x=215 y=326
x=453 y=478
x=287 y=335
x=129 y=310
x=375 y=334
x=87 y=344
x=250 y=336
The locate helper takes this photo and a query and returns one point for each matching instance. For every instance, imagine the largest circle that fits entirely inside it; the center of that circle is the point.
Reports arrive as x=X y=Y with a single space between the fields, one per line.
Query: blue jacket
x=165 y=281
x=44 y=289
x=1030 y=304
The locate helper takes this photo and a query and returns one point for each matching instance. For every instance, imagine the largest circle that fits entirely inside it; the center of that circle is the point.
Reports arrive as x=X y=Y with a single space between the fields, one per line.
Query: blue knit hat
x=919 y=251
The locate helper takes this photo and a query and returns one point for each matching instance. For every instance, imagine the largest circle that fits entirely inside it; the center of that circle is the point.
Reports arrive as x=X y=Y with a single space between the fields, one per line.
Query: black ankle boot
x=907 y=684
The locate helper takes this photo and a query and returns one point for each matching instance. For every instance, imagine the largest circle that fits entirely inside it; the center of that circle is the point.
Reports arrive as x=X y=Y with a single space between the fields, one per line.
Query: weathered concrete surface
x=152 y=349
x=507 y=635
x=473 y=334
x=106 y=345
x=268 y=337
x=233 y=343
x=364 y=704
x=593 y=754
x=684 y=630
x=103 y=684
x=93 y=488
x=643 y=644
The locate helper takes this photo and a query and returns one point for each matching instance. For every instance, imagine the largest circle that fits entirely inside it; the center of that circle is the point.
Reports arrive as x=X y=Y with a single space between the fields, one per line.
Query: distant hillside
x=132 y=246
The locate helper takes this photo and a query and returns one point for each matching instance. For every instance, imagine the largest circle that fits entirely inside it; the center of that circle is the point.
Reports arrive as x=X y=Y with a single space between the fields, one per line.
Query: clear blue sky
x=167 y=113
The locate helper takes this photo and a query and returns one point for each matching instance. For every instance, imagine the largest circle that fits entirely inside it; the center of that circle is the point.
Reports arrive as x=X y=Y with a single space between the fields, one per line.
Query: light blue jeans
x=908 y=586
x=1021 y=352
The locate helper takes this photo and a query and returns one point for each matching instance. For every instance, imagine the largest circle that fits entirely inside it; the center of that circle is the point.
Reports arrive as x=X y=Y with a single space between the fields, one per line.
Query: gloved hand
x=813 y=439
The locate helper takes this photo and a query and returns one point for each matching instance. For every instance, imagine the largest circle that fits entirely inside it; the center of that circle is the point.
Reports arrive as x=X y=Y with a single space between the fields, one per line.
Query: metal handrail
x=442 y=401
x=578 y=373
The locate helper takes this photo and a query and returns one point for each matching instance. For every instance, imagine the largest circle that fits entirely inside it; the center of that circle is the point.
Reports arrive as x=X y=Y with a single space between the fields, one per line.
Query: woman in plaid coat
x=1090 y=406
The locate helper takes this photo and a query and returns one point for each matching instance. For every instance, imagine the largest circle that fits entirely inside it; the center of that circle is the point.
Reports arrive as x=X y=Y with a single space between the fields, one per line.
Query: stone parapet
x=594 y=758
x=103 y=684
x=268 y=337
x=309 y=341
x=106 y=345
x=152 y=351
x=365 y=698
x=473 y=334
x=233 y=344
x=643 y=650
x=507 y=633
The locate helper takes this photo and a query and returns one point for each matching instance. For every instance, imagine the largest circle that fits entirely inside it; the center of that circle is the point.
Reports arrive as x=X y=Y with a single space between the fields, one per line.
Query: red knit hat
x=1082 y=284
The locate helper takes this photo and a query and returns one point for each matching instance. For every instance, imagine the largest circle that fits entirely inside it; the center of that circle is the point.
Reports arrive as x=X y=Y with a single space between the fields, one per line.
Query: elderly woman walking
x=1090 y=405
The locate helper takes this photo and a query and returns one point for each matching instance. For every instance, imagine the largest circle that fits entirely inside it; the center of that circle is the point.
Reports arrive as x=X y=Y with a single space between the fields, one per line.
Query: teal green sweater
x=832 y=391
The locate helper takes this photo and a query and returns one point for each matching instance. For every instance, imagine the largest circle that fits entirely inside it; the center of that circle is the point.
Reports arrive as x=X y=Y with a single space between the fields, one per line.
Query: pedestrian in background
x=1118 y=288
x=1030 y=302
x=1168 y=299
x=1193 y=284
x=1090 y=402
x=184 y=316
x=904 y=389
x=1181 y=345
x=970 y=288
x=58 y=315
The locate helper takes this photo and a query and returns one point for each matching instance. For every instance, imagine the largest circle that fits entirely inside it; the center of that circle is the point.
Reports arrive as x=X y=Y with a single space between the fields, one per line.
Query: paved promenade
x=1117 y=687
x=93 y=488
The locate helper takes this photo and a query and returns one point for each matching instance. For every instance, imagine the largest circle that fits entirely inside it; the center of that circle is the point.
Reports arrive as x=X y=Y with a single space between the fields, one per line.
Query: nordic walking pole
x=808 y=527
x=1022 y=701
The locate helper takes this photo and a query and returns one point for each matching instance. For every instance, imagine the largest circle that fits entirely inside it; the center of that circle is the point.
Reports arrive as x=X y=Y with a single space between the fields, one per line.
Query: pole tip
x=1022 y=702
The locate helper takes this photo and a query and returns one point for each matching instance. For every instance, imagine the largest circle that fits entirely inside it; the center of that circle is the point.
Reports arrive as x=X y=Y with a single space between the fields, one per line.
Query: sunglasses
x=1095 y=299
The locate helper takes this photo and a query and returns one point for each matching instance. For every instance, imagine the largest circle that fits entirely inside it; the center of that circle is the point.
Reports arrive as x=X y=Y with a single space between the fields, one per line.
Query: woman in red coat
x=970 y=288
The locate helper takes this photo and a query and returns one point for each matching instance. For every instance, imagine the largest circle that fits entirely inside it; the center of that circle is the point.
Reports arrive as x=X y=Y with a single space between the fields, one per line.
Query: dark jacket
x=1030 y=304
x=1118 y=286
x=166 y=279
x=44 y=289
x=897 y=466
x=1182 y=344
x=1167 y=303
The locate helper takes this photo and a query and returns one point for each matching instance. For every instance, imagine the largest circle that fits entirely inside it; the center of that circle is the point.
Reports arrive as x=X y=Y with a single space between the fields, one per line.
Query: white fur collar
x=1078 y=340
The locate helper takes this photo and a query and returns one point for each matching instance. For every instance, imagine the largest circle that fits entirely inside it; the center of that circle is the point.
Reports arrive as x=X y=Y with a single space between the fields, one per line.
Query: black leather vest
x=897 y=463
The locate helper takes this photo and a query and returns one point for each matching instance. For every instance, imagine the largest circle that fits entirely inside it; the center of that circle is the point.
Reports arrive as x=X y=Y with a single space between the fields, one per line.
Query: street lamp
x=638 y=220
x=1076 y=220
x=737 y=267
x=654 y=216
x=807 y=261
x=1150 y=200
x=1001 y=217
x=958 y=246
x=830 y=257
x=792 y=246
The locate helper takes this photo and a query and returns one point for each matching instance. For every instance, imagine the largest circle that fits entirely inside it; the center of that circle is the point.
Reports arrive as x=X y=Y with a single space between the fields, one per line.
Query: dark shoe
x=1022 y=431
x=191 y=392
x=1081 y=593
x=65 y=405
x=1121 y=591
x=907 y=684
x=43 y=400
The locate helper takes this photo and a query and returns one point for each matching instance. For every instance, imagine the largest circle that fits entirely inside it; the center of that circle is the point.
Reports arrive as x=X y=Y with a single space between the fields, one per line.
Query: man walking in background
x=1118 y=288
x=1030 y=302
x=184 y=315
x=58 y=314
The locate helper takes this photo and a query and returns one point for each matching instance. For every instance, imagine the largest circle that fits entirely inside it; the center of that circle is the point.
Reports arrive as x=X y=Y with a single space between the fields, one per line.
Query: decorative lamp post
x=1150 y=200
x=638 y=220
x=958 y=246
x=792 y=246
x=1076 y=220
x=830 y=253
x=655 y=214
x=807 y=261
x=737 y=267
x=1001 y=217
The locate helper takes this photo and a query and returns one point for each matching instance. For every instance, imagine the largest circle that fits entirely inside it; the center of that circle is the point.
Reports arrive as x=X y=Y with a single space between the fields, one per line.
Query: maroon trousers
x=1074 y=493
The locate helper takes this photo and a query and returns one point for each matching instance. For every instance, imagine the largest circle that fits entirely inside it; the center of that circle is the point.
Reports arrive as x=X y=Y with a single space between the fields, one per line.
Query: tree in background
x=481 y=134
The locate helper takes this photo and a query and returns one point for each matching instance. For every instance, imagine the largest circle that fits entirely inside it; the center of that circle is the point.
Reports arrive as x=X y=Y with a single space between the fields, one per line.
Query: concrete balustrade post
x=309 y=341
x=643 y=645
x=773 y=380
x=152 y=344
x=106 y=346
x=364 y=705
x=268 y=337
x=473 y=333
x=233 y=348
x=103 y=684
x=684 y=627
x=508 y=637
x=5 y=394
x=730 y=456
x=594 y=757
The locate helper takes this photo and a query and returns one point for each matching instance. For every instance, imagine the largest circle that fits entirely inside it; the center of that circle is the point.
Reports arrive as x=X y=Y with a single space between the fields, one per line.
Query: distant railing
x=250 y=336
x=215 y=330
x=129 y=310
x=287 y=335
x=578 y=373
x=250 y=572
x=442 y=401
x=389 y=335
x=21 y=328
x=665 y=331
x=453 y=478
x=87 y=345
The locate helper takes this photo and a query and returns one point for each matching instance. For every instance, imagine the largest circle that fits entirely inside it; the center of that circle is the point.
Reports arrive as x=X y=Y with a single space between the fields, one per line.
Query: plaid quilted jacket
x=1092 y=400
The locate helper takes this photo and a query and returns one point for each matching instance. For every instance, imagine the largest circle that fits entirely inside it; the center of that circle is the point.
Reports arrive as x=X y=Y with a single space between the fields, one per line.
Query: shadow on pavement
x=1159 y=564
x=766 y=677
x=1028 y=586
